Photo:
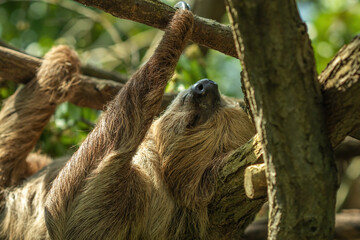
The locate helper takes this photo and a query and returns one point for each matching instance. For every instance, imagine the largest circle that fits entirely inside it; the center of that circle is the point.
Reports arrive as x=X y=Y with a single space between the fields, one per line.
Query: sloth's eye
x=184 y=98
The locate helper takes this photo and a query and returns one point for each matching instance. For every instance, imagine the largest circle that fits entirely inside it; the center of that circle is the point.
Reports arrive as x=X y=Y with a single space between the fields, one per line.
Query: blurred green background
x=121 y=45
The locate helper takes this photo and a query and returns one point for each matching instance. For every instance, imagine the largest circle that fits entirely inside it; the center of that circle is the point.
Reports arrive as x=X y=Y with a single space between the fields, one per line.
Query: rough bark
x=346 y=65
x=285 y=99
x=156 y=14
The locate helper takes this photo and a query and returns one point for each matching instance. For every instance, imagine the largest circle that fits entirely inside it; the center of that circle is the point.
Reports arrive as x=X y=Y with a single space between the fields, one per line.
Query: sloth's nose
x=205 y=93
x=205 y=87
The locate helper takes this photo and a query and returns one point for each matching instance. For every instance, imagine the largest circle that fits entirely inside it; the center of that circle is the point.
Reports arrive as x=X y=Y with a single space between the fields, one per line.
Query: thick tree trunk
x=280 y=81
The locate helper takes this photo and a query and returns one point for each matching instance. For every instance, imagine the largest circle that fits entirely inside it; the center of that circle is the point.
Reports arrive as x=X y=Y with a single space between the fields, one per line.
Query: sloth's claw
x=182 y=5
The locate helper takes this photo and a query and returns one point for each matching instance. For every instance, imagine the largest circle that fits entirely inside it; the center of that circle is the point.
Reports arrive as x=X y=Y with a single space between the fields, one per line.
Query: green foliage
x=331 y=24
x=121 y=45
x=69 y=126
x=6 y=89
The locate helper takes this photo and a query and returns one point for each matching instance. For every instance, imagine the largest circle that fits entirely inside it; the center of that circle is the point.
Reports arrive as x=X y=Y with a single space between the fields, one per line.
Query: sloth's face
x=201 y=116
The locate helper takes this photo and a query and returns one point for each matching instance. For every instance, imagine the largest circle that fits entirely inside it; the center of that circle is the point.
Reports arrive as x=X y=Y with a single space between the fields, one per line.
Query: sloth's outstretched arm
x=99 y=190
x=26 y=113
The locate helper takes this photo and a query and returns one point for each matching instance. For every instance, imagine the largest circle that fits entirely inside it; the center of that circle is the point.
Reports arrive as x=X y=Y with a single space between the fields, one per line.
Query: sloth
x=135 y=176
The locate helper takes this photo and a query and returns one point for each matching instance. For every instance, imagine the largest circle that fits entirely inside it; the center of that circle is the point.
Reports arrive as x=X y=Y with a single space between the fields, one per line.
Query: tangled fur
x=133 y=177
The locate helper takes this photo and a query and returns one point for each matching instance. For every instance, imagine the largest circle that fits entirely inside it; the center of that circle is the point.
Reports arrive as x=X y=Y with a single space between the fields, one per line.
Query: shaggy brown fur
x=133 y=177
x=25 y=114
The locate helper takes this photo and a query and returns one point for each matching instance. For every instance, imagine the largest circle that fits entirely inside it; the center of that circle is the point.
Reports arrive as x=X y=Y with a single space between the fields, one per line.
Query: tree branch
x=156 y=14
x=32 y=63
x=339 y=83
x=16 y=66
x=91 y=92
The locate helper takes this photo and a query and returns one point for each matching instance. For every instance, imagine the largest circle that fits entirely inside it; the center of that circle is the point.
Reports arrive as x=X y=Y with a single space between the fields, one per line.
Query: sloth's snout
x=206 y=92
x=204 y=87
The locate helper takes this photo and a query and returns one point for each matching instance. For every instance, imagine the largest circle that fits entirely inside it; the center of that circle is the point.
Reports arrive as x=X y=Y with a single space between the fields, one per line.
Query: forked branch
x=340 y=83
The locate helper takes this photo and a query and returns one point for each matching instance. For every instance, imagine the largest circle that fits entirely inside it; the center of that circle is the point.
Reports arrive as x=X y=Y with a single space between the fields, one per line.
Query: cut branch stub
x=255 y=176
